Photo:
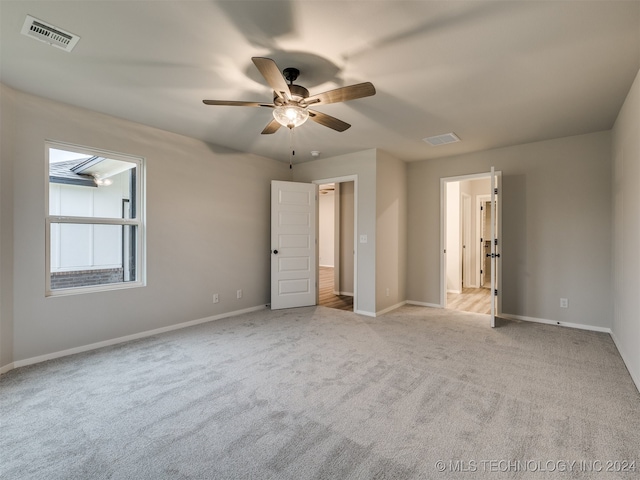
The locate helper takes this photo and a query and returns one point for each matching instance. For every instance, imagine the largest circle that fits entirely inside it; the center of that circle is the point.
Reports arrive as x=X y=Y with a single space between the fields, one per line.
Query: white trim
x=423 y=304
x=139 y=222
x=557 y=323
x=365 y=313
x=6 y=368
x=449 y=290
x=635 y=376
x=443 y=226
x=354 y=179
x=465 y=251
x=127 y=338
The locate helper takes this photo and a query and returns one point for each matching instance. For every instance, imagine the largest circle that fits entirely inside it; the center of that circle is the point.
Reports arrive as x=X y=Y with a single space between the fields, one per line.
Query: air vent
x=442 y=139
x=47 y=33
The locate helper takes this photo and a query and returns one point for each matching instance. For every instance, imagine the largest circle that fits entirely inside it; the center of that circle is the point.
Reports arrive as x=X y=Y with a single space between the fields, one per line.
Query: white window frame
x=138 y=222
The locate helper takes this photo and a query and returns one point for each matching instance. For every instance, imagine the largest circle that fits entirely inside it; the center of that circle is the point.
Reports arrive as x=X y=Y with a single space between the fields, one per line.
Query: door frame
x=465 y=233
x=443 y=231
x=344 y=179
x=481 y=200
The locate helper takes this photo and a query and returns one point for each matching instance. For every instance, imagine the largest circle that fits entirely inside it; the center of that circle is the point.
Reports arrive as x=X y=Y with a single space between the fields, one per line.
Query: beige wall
x=381 y=214
x=209 y=235
x=344 y=274
x=7 y=133
x=363 y=165
x=626 y=228
x=391 y=231
x=556 y=227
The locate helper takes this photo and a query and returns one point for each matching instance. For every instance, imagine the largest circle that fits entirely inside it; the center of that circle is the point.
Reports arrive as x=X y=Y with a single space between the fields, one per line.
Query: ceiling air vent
x=47 y=33
x=442 y=139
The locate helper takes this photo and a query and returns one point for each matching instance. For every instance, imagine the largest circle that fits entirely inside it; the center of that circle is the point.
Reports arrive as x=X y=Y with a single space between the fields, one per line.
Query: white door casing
x=466 y=240
x=293 y=244
x=496 y=246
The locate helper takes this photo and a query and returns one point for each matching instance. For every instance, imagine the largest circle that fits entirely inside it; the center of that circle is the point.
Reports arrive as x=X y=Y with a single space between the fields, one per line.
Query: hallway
x=326 y=297
x=476 y=300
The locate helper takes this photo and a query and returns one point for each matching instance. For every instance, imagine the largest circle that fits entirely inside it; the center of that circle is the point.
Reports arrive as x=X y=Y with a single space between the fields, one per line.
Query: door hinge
x=481 y=272
x=495 y=191
x=495 y=241
x=495 y=292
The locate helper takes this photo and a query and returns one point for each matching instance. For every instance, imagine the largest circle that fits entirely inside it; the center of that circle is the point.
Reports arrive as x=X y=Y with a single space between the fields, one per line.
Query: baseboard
x=330 y=266
x=456 y=292
x=579 y=326
x=365 y=313
x=127 y=338
x=343 y=294
x=423 y=304
x=392 y=307
x=6 y=368
x=635 y=376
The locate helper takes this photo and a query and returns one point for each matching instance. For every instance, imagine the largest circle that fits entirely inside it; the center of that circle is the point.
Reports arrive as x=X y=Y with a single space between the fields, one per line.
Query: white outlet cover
x=363 y=239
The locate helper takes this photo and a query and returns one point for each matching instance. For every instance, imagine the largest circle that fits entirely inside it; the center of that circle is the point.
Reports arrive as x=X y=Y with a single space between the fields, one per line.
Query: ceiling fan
x=291 y=102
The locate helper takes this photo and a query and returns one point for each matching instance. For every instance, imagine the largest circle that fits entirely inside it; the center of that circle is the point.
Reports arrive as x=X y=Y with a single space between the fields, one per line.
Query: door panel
x=293 y=244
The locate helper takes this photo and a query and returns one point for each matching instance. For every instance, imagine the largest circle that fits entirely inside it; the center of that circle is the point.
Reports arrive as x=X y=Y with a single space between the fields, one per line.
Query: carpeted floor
x=318 y=393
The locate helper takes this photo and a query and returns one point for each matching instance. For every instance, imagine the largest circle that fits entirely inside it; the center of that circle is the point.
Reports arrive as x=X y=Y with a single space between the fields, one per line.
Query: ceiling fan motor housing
x=298 y=93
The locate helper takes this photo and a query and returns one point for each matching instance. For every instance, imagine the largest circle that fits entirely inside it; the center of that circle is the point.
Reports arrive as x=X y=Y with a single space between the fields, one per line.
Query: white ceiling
x=495 y=73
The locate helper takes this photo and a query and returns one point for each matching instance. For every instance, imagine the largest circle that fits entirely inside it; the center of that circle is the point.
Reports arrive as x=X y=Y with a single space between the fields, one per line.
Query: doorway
x=464 y=271
x=336 y=244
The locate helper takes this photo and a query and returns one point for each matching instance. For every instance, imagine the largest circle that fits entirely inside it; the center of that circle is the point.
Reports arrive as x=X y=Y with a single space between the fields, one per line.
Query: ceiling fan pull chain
x=293 y=152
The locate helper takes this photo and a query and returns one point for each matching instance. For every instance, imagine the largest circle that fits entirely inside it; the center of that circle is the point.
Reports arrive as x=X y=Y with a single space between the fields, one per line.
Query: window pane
x=87 y=255
x=90 y=186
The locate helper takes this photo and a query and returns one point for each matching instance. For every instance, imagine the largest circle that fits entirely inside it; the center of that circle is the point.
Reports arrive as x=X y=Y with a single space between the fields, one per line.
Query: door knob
x=275 y=252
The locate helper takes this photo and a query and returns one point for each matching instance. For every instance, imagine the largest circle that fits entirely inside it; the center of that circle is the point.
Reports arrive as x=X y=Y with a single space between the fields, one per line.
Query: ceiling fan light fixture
x=290 y=116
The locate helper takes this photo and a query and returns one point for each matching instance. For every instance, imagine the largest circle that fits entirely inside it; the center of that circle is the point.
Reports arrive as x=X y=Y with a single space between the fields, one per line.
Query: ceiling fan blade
x=272 y=127
x=272 y=75
x=328 y=121
x=342 y=94
x=233 y=103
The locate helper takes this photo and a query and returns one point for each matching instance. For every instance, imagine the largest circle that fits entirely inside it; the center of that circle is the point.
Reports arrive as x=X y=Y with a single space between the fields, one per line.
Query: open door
x=495 y=245
x=293 y=244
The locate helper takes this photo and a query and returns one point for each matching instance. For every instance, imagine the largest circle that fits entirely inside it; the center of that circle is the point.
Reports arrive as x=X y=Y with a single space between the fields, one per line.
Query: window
x=94 y=221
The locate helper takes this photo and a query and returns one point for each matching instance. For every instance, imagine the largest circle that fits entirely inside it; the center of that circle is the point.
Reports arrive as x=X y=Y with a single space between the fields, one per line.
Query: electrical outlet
x=564 y=303
x=216 y=299
x=239 y=293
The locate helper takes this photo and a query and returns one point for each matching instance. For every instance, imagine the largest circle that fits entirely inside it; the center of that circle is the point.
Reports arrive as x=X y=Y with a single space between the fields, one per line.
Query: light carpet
x=318 y=393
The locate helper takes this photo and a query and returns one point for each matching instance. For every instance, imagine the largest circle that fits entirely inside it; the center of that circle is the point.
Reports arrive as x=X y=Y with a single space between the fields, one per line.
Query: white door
x=293 y=244
x=495 y=245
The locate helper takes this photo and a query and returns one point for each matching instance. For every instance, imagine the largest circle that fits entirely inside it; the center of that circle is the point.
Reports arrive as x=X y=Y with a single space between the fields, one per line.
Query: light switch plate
x=363 y=239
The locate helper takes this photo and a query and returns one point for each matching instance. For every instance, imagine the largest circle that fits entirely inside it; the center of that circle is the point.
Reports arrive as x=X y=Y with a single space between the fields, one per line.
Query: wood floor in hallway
x=476 y=300
x=326 y=296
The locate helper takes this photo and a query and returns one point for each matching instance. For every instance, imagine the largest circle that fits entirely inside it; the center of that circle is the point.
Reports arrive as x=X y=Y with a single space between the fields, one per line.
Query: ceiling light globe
x=290 y=115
